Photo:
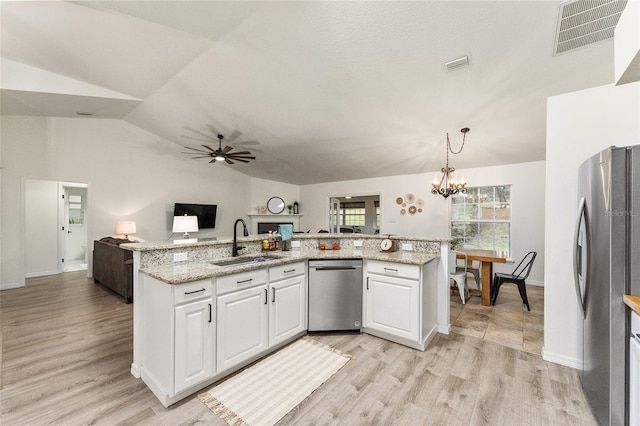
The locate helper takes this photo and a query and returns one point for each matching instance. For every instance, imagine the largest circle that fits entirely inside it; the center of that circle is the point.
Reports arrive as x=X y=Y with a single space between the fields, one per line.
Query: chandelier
x=448 y=185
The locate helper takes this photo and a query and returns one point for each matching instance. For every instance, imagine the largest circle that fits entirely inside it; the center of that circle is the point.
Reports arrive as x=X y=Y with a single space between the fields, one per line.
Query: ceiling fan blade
x=228 y=161
x=196 y=150
x=226 y=149
x=246 y=157
x=241 y=153
x=197 y=156
x=241 y=160
x=213 y=160
x=209 y=148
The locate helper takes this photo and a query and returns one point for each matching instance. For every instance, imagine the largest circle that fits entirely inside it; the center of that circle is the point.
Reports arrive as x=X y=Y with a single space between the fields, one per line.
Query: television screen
x=206 y=213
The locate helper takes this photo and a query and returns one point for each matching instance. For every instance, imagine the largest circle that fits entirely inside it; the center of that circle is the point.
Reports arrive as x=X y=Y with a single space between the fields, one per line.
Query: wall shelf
x=273 y=215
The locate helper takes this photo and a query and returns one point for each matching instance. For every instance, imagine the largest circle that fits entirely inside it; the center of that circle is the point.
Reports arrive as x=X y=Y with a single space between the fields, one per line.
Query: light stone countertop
x=164 y=245
x=183 y=272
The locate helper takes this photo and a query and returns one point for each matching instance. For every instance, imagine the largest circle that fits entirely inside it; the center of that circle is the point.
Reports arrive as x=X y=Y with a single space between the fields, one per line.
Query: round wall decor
x=275 y=205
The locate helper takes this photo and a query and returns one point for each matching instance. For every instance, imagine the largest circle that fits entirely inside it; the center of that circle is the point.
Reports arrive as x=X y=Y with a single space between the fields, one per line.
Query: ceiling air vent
x=584 y=22
x=456 y=64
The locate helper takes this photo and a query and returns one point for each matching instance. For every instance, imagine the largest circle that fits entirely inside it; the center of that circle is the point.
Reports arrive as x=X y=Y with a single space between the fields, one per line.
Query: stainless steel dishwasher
x=335 y=294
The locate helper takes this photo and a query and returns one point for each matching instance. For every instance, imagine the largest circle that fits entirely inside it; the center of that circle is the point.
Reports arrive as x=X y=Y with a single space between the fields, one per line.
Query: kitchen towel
x=285 y=231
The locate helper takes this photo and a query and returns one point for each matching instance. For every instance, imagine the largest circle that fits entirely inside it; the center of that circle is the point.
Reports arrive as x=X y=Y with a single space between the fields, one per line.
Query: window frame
x=479 y=221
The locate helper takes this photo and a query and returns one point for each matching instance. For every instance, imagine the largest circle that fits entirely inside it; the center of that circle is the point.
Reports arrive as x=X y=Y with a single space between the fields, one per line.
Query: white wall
x=262 y=190
x=579 y=125
x=527 y=213
x=132 y=175
x=41 y=227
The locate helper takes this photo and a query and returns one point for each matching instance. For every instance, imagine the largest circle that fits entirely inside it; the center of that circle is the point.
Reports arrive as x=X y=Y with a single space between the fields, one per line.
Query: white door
x=194 y=343
x=392 y=306
x=242 y=326
x=287 y=309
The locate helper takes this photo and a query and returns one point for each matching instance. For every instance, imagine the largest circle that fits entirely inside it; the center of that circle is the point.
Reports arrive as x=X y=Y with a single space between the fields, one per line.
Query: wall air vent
x=456 y=64
x=585 y=22
x=84 y=114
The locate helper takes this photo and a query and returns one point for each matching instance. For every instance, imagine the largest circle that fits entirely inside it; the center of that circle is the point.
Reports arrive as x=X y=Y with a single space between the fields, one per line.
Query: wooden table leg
x=487 y=273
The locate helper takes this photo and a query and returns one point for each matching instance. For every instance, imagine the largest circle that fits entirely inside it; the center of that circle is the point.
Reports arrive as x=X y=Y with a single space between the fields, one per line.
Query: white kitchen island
x=196 y=322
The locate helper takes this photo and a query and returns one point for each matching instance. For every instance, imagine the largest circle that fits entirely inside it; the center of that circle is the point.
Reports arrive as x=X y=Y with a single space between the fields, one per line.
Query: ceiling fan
x=220 y=154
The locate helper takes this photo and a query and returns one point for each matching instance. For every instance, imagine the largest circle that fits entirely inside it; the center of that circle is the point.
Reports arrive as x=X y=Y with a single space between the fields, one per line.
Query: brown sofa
x=113 y=266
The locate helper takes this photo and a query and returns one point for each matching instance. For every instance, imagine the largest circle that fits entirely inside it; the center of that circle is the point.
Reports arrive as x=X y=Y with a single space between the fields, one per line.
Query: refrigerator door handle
x=582 y=216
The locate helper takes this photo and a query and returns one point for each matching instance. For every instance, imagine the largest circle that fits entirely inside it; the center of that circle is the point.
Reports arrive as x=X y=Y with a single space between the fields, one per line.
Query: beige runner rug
x=263 y=393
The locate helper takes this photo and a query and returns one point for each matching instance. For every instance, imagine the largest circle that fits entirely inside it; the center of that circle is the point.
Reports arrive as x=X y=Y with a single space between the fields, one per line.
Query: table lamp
x=185 y=224
x=126 y=228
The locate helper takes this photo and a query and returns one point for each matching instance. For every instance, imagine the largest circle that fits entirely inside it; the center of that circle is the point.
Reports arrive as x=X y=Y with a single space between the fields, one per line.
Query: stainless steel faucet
x=235 y=249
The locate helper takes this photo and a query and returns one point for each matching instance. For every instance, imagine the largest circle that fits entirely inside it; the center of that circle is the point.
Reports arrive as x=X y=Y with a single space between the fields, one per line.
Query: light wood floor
x=67 y=350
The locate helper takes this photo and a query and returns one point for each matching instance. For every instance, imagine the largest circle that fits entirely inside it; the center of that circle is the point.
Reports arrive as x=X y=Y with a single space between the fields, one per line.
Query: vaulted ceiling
x=318 y=91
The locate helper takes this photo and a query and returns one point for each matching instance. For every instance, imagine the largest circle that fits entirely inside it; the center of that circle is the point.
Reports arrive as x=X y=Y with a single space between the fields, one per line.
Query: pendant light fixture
x=448 y=185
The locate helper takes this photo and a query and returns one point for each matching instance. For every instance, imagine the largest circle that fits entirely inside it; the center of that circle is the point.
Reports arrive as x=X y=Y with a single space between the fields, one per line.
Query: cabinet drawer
x=240 y=281
x=393 y=269
x=192 y=291
x=286 y=271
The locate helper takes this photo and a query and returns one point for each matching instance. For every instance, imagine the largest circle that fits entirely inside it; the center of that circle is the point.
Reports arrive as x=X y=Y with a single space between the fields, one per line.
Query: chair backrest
x=475 y=264
x=524 y=267
x=452 y=262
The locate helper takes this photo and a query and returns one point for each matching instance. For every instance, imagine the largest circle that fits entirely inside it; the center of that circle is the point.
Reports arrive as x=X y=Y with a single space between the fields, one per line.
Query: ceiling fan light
x=219 y=158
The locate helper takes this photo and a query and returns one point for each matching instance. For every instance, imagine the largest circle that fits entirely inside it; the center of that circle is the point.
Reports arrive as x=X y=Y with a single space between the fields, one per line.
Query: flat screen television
x=206 y=213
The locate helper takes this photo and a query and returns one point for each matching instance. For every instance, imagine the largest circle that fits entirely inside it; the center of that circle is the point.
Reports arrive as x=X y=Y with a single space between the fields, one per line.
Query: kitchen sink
x=244 y=260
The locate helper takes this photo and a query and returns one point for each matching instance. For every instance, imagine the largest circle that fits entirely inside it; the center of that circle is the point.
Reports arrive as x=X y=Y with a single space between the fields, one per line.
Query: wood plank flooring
x=67 y=348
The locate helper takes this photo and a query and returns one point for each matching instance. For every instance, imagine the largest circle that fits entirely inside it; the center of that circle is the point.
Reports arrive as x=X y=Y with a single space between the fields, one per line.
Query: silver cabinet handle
x=289 y=271
x=244 y=281
x=367 y=283
x=391 y=270
x=273 y=295
x=193 y=292
x=210 y=316
x=266 y=296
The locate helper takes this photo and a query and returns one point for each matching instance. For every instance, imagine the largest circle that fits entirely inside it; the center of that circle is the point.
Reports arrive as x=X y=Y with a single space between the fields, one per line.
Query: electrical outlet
x=407 y=246
x=295 y=244
x=357 y=243
x=179 y=257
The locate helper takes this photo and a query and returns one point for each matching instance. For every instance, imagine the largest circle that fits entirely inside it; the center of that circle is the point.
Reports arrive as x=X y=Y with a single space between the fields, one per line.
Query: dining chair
x=519 y=274
x=472 y=266
x=460 y=277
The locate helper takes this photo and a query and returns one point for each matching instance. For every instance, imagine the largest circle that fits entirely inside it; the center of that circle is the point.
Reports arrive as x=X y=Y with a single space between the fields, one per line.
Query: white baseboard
x=535 y=283
x=41 y=274
x=9 y=286
x=446 y=329
x=561 y=359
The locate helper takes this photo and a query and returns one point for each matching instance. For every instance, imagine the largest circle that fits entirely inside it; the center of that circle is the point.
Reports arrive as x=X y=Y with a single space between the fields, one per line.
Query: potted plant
x=454 y=243
x=289 y=207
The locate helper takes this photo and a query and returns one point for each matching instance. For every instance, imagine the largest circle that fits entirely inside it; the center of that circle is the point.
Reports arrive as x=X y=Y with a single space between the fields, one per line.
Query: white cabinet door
x=242 y=326
x=287 y=310
x=194 y=343
x=392 y=306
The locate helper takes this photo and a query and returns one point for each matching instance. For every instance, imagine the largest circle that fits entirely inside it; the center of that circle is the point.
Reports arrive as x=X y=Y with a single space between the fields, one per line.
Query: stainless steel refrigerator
x=607 y=266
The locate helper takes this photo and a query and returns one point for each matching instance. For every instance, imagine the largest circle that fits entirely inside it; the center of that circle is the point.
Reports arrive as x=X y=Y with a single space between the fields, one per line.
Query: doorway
x=359 y=213
x=56 y=224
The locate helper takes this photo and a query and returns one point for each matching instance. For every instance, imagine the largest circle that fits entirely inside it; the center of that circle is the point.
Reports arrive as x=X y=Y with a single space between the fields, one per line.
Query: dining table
x=487 y=258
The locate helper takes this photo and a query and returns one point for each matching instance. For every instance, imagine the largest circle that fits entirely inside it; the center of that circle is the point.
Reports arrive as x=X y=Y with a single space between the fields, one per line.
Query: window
x=482 y=217
x=76 y=210
x=353 y=214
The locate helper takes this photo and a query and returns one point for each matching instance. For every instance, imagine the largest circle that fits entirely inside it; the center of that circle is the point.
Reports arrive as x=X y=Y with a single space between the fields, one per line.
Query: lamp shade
x=185 y=224
x=125 y=227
